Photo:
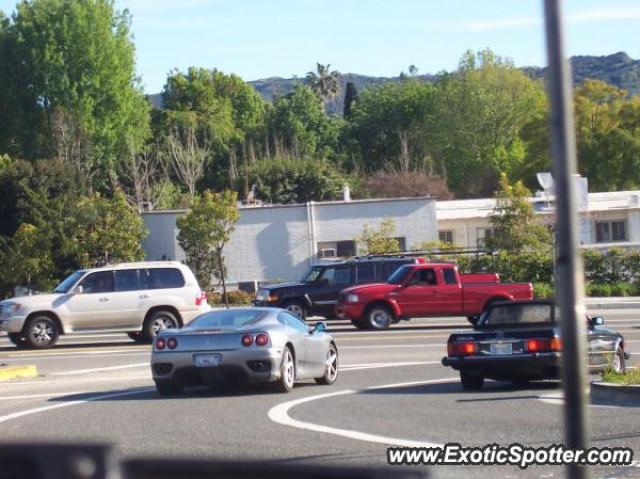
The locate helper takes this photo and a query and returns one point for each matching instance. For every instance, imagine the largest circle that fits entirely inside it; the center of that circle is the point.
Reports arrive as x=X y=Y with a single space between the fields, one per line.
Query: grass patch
x=629 y=377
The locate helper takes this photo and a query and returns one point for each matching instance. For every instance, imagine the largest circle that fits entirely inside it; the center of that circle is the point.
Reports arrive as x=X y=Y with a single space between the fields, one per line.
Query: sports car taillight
x=160 y=344
x=462 y=348
x=172 y=343
x=262 y=339
x=247 y=340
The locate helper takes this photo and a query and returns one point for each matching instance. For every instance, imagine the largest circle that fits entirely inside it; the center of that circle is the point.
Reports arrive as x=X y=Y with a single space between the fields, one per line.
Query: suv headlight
x=352 y=298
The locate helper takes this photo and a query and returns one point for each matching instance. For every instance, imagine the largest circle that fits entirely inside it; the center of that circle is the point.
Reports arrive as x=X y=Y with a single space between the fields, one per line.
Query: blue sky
x=264 y=38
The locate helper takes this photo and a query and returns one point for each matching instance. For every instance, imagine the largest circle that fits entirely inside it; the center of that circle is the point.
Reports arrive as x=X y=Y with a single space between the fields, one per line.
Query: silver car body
x=226 y=358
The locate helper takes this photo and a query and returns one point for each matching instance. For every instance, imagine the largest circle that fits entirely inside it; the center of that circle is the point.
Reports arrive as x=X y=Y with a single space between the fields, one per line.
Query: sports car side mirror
x=319 y=327
x=597 y=321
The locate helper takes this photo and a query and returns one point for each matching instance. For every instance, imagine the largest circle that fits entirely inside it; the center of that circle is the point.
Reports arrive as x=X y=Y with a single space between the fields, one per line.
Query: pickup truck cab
x=425 y=290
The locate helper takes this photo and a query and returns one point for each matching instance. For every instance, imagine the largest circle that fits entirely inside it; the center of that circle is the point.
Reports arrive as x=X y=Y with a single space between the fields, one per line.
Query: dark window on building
x=610 y=231
x=402 y=244
x=365 y=273
x=446 y=236
x=346 y=249
x=127 y=280
x=449 y=276
x=100 y=282
x=161 y=278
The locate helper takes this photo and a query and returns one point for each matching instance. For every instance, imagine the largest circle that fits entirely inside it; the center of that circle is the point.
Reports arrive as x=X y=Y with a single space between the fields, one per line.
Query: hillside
x=617 y=69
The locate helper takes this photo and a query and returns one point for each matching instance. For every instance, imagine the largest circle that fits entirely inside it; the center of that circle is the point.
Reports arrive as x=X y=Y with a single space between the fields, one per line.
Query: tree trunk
x=224 y=285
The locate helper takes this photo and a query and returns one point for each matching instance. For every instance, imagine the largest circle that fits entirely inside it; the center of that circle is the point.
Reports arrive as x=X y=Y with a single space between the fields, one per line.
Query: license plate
x=501 y=348
x=206 y=360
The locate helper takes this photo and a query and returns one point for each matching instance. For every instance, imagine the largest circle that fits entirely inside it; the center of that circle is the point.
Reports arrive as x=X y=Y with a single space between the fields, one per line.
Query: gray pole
x=569 y=286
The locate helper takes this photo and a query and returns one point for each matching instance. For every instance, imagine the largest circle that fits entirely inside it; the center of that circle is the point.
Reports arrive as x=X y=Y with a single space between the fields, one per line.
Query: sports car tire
x=169 y=388
x=287 y=372
x=471 y=382
x=331 y=367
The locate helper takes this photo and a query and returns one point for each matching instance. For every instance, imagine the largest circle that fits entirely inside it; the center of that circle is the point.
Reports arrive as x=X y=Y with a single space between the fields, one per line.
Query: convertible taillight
x=539 y=345
x=262 y=339
x=172 y=343
x=247 y=340
x=160 y=344
x=462 y=348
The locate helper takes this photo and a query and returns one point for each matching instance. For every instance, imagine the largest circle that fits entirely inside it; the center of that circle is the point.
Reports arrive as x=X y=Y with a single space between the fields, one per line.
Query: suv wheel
x=158 y=321
x=41 y=332
x=297 y=308
x=379 y=316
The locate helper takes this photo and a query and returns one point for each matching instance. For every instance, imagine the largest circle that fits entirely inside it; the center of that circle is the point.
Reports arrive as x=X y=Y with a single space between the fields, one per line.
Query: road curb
x=7 y=373
x=615 y=394
x=633 y=304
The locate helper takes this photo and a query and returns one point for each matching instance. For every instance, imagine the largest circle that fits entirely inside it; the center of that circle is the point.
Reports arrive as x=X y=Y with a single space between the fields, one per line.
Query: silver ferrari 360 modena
x=244 y=344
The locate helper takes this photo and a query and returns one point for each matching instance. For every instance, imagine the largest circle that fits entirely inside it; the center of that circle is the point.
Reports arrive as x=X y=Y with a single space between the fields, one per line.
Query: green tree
x=323 y=81
x=288 y=180
x=69 y=85
x=204 y=232
x=350 y=96
x=517 y=229
x=380 y=241
x=480 y=111
x=391 y=126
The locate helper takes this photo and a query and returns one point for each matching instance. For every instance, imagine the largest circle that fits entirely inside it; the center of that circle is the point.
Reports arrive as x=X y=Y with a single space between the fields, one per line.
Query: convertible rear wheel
x=287 y=372
x=471 y=382
x=330 y=367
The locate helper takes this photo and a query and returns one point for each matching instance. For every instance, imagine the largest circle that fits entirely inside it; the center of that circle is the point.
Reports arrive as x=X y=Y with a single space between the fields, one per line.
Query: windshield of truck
x=399 y=275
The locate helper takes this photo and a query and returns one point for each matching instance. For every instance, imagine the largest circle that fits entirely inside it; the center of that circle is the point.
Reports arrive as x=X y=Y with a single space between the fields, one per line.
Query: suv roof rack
x=433 y=252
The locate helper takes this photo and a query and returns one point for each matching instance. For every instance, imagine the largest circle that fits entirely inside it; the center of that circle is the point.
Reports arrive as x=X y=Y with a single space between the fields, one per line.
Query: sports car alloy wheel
x=288 y=368
x=331 y=367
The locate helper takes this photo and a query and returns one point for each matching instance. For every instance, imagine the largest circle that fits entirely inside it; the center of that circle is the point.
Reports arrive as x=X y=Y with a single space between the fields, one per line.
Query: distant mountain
x=618 y=69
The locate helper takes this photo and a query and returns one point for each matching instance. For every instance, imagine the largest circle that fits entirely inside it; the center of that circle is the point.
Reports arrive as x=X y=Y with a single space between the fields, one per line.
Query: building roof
x=483 y=207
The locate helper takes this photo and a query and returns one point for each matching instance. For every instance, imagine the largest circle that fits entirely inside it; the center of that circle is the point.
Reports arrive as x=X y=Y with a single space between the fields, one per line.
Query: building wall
x=280 y=242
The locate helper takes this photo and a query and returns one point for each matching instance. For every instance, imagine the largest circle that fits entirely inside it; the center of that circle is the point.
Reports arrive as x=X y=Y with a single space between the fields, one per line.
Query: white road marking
x=395 y=338
x=558 y=400
x=99 y=397
x=43 y=395
x=357 y=367
x=280 y=414
x=76 y=352
x=95 y=370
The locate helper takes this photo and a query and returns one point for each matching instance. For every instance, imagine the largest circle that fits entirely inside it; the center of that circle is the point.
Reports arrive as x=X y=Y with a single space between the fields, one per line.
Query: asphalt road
x=392 y=390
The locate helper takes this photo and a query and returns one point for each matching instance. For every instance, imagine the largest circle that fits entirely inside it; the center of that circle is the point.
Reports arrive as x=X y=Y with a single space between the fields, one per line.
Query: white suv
x=140 y=299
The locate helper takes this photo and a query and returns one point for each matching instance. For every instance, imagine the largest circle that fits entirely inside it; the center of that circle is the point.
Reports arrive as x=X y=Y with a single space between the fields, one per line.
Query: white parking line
x=280 y=414
x=95 y=370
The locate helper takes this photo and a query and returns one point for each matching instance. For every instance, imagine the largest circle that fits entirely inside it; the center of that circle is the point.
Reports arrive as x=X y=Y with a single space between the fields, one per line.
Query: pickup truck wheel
x=41 y=332
x=471 y=382
x=297 y=308
x=379 y=317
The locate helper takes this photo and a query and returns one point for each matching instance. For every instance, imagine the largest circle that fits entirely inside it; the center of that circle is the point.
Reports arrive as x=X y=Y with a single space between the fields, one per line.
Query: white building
x=280 y=242
x=606 y=219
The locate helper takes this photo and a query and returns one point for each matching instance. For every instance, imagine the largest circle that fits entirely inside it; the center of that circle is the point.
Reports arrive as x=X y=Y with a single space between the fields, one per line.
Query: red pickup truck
x=425 y=290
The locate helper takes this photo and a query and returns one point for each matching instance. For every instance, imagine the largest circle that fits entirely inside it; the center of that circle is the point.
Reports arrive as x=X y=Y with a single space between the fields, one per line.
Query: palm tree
x=323 y=82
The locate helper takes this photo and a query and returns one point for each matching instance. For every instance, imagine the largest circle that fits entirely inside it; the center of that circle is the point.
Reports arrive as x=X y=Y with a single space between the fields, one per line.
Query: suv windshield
x=398 y=276
x=312 y=275
x=68 y=282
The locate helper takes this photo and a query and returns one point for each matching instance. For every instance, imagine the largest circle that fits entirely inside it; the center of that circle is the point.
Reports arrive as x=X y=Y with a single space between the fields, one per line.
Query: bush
x=235 y=297
x=543 y=290
x=599 y=290
x=622 y=289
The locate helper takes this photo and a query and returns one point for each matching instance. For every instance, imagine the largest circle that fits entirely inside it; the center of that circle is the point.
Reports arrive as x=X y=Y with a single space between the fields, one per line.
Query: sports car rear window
x=226 y=319
x=515 y=314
